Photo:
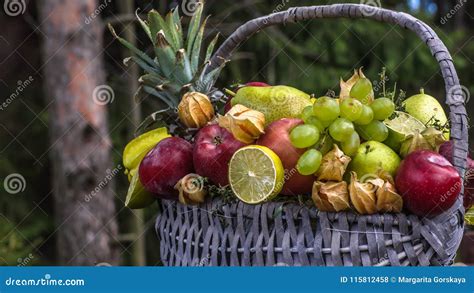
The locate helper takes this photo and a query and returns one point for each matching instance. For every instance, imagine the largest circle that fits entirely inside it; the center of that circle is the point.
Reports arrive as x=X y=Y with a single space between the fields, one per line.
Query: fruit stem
x=422 y=91
x=217 y=140
x=229 y=92
x=382 y=79
x=367 y=149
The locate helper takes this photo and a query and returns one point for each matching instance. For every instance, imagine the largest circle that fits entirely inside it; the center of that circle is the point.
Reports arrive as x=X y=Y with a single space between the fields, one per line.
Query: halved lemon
x=256 y=174
x=402 y=125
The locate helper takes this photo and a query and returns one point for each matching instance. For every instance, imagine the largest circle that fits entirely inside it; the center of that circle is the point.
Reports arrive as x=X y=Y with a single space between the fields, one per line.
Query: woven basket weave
x=236 y=234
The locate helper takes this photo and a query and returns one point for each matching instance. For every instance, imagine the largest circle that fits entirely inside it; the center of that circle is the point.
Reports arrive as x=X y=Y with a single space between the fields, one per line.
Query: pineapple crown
x=177 y=67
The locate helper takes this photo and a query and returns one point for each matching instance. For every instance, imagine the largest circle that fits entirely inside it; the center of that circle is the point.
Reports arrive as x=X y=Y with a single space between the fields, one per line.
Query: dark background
x=311 y=56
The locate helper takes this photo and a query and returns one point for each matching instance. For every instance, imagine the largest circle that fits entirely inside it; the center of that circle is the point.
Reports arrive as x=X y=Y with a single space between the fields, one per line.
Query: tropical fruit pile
x=359 y=150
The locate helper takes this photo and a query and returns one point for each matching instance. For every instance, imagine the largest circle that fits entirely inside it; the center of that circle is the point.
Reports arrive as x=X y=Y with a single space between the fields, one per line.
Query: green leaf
x=194 y=27
x=158 y=116
x=132 y=48
x=207 y=81
x=161 y=95
x=154 y=23
x=165 y=54
x=145 y=27
x=143 y=65
x=210 y=48
x=182 y=72
x=151 y=80
x=173 y=33
x=179 y=28
x=157 y=21
x=197 y=46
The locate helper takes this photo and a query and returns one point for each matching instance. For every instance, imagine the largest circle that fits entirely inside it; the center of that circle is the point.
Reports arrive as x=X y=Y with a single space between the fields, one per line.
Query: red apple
x=428 y=183
x=277 y=138
x=446 y=150
x=213 y=149
x=228 y=105
x=169 y=161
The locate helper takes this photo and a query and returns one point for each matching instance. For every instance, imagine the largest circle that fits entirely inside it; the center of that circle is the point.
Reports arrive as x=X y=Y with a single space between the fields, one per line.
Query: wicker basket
x=270 y=234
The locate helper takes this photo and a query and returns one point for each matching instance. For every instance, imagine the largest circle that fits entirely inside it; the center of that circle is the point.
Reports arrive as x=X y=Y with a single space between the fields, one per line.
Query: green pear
x=275 y=102
x=372 y=156
x=426 y=109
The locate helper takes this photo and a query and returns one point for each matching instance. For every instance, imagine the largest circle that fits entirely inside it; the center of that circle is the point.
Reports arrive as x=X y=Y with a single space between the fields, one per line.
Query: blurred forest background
x=36 y=225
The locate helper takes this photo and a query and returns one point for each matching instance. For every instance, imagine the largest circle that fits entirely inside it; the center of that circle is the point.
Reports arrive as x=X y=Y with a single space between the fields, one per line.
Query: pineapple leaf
x=178 y=27
x=194 y=27
x=143 y=65
x=173 y=34
x=150 y=80
x=207 y=80
x=210 y=48
x=157 y=21
x=152 y=119
x=144 y=26
x=132 y=48
x=154 y=23
x=165 y=54
x=161 y=95
x=182 y=71
x=197 y=46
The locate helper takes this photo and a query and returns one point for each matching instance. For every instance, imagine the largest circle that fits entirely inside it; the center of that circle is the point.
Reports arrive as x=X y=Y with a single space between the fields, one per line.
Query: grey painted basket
x=236 y=234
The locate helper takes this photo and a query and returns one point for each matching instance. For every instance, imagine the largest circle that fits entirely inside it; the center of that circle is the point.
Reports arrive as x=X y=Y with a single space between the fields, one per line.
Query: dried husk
x=434 y=137
x=414 y=142
x=333 y=165
x=362 y=195
x=346 y=86
x=331 y=196
x=195 y=110
x=191 y=189
x=388 y=200
x=246 y=125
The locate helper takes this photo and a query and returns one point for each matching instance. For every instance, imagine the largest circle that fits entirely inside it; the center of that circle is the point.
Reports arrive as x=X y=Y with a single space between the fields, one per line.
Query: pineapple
x=177 y=67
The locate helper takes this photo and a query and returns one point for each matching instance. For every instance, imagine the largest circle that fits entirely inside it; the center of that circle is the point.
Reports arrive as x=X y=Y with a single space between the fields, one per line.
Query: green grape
x=341 y=128
x=350 y=145
x=309 y=162
x=375 y=130
x=316 y=122
x=326 y=109
x=366 y=117
x=383 y=108
x=303 y=136
x=351 y=109
x=307 y=112
x=362 y=90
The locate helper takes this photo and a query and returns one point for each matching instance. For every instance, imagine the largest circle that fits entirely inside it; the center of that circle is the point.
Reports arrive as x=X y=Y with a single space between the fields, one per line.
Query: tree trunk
x=80 y=144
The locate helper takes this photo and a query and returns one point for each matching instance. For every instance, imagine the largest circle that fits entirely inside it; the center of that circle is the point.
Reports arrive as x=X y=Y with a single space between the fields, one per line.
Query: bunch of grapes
x=345 y=121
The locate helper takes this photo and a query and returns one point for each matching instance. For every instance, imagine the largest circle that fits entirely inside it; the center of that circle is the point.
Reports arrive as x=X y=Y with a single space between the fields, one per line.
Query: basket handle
x=454 y=96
